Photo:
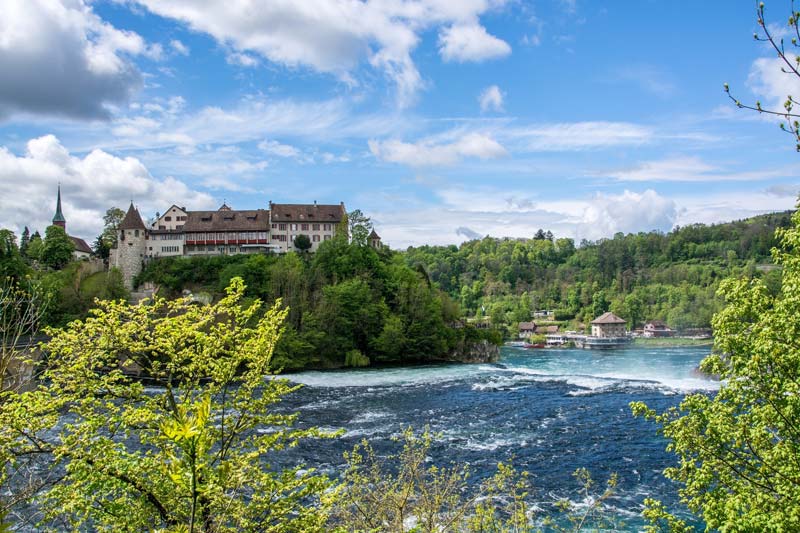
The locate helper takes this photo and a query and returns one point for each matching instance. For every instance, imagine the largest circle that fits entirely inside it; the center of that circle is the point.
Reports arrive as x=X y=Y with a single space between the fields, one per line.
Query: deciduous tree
x=189 y=455
x=57 y=248
x=739 y=450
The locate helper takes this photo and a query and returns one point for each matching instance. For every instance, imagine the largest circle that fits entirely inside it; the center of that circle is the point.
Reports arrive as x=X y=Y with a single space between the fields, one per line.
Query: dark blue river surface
x=551 y=410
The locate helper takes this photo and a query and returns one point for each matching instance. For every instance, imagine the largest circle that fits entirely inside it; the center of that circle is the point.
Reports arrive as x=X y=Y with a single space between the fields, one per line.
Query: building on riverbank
x=657 y=328
x=609 y=325
x=180 y=232
x=608 y=331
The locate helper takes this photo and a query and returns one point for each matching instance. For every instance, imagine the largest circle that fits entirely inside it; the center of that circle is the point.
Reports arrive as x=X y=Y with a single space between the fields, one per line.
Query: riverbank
x=671 y=342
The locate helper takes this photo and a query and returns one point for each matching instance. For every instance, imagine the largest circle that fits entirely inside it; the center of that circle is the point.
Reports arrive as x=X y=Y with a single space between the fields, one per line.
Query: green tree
x=24 y=240
x=183 y=457
x=403 y=492
x=108 y=238
x=34 y=249
x=11 y=263
x=57 y=248
x=302 y=243
x=739 y=450
x=359 y=227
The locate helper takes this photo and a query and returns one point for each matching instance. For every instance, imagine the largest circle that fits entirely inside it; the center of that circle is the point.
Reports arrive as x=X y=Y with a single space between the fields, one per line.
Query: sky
x=442 y=120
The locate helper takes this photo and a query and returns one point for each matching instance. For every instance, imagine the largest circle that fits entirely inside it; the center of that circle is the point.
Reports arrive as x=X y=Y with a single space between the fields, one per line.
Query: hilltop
x=668 y=276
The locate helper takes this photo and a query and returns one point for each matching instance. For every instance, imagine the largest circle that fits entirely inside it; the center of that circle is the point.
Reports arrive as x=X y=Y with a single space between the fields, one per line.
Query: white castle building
x=180 y=232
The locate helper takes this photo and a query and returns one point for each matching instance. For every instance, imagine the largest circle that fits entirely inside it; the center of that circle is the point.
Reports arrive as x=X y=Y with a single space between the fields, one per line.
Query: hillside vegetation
x=349 y=304
x=672 y=277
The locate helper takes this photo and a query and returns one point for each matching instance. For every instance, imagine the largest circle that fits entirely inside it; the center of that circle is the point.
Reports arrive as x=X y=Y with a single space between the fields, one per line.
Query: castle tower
x=374 y=240
x=58 y=218
x=131 y=245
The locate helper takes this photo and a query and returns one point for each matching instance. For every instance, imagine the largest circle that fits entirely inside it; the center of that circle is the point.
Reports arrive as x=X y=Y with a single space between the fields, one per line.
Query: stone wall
x=128 y=257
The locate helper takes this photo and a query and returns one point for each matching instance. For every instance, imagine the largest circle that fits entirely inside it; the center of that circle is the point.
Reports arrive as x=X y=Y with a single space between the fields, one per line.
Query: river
x=552 y=410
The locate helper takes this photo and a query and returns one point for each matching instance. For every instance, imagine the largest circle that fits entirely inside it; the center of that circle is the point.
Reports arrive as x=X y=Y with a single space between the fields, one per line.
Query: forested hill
x=644 y=276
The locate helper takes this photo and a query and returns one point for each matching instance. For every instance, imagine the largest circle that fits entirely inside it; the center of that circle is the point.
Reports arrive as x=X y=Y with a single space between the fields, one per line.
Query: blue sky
x=442 y=120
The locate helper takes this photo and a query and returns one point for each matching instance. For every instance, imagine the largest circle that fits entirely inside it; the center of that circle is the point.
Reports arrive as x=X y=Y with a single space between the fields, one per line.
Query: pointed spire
x=58 y=218
x=132 y=219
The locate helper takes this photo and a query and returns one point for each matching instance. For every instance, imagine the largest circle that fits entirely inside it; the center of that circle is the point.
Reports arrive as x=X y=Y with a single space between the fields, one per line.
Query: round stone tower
x=129 y=254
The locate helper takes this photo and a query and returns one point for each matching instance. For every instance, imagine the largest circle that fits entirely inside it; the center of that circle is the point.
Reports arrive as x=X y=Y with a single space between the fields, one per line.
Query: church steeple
x=58 y=218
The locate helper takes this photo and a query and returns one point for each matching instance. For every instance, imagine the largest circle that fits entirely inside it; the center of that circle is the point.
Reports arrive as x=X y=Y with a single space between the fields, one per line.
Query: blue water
x=551 y=410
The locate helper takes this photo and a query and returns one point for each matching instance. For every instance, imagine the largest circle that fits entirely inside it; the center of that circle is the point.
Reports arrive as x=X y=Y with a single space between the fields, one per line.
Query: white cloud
x=582 y=135
x=426 y=153
x=629 y=212
x=276 y=148
x=89 y=185
x=730 y=205
x=470 y=42
x=335 y=36
x=179 y=47
x=690 y=169
x=59 y=58
x=770 y=84
x=242 y=60
x=531 y=40
x=491 y=99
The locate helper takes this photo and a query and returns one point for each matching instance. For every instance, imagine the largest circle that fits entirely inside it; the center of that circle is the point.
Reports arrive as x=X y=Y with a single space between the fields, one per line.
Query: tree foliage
x=57 y=248
x=644 y=276
x=402 y=492
x=345 y=299
x=302 y=242
x=12 y=264
x=359 y=227
x=189 y=455
x=739 y=450
x=790 y=66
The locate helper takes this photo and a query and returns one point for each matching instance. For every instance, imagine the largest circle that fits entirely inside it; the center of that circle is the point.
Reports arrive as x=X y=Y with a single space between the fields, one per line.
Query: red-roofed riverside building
x=657 y=328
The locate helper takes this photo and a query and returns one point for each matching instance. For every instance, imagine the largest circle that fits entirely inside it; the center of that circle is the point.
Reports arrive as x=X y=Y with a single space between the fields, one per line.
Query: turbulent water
x=551 y=410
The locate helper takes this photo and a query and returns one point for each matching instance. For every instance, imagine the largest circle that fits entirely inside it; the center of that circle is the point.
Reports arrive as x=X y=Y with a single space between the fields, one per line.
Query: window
x=162 y=227
x=136 y=233
x=274 y=226
x=167 y=219
x=294 y=227
x=315 y=227
x=304 y=227
x=232 y=249
x=315 y=238
x=327 y=227
x=282 y=227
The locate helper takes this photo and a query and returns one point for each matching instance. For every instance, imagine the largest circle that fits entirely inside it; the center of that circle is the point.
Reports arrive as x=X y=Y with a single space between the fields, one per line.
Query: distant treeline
x=669 y=276
x=349 y=304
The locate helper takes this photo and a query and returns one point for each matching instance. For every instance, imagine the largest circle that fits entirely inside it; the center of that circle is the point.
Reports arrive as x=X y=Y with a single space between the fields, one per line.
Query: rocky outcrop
x=475 y=352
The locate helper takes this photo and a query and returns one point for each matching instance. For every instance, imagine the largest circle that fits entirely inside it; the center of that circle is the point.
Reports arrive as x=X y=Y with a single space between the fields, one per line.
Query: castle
x=180 y=232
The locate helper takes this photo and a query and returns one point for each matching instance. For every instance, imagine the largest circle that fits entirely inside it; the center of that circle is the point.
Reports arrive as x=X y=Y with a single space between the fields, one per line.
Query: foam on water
x=666 y=370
